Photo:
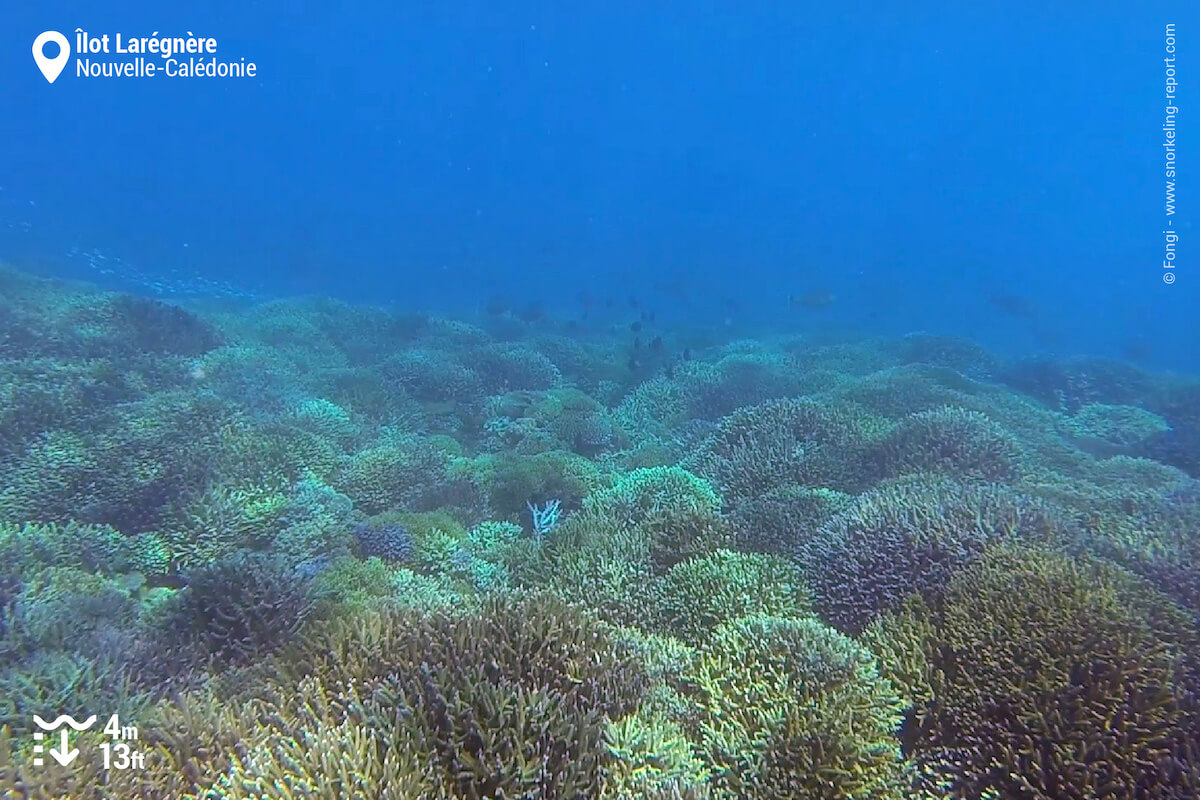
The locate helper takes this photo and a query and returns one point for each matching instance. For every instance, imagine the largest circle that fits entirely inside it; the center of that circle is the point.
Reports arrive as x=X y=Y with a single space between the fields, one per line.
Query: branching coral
x=698 y=595
x=785 y=517
x=656 y=517
x=954 y=441
x=526 y=716
x=911 y=536
x=781 y=442
x=791 y=708
x=182 y=506
x=403 y=473
x=240 y=608
x=1041 y=676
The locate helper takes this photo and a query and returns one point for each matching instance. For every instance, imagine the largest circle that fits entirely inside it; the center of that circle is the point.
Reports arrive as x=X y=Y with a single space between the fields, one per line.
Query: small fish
x=637 y=343
x=634 y=363
x=656 y=345
x=686 y=355
x=635 y=326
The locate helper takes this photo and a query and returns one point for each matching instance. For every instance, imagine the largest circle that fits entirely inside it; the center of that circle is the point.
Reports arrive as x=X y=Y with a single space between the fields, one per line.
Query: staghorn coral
x=402 y=472
x=654 y=517
x=654 y=408
x=434 y=376
x=49 y=480
x=511 y=480
x=1070 y=385
x=41 y=317
x=1042 y=676
x=124 y=450
x=949 y=352
x=64 y=682
x=390 y=542
x=510 y=367
x=791 y=708
x=895 y=392
x=1179 y=447
x=698 y=595
x=351 y=759
x=240 y=608
x=324 y=418
x=960 y=443
x=736 y=380
x=92 y=548
x=63 y=608
x=527 y=714
x=650 y=755
x=783 y=442
x=221 y=521
x=911 y=535
x=784 y=517
x=38 y=395
x=1110 y=429
x=149 y=455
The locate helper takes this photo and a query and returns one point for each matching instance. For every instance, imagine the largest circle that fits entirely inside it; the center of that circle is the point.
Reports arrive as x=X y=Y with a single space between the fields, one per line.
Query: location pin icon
x=51 y=67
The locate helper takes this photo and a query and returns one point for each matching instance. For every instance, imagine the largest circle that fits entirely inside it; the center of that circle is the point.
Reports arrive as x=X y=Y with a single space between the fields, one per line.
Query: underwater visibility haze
x=471 y=401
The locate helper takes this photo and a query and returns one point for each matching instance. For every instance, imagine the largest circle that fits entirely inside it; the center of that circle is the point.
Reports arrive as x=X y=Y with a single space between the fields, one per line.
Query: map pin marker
x=51 y=67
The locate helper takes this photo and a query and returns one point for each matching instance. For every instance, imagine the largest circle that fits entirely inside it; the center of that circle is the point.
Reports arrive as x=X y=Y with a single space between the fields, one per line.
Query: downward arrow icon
x=64 y=755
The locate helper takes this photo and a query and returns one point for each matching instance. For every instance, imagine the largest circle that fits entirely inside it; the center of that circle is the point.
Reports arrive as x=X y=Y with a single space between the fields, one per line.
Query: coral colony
x=545 y=518
x=289 y=542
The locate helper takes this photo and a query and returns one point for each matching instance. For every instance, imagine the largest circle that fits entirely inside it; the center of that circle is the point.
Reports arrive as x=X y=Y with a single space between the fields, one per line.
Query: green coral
x=63 y=608
x=783 y=518
x=492 y=539
x=92 y=548
x=912 y=535
x=510 y=480
x=354 y=582
x=524 y=716
x=410 y=590
x=783 y=442
x=221 y=521
x=697 y=596
x=658 y=516
x=404 y=472
x=791 y=708
x=954 y=441
x=151 y=554
x=1114 y=428
x=324 y=418
x=649 y=755
x=1048 y=677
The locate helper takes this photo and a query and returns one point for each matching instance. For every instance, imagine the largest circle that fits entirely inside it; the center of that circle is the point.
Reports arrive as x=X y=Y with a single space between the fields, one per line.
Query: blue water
x=993 y=171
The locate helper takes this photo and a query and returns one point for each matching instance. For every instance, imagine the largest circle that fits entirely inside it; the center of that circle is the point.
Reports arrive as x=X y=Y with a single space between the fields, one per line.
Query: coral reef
x=784 y=442
x=320 y=550
x=1042 y=676
x=240 y=608
x=791 y=708
x=911 y=535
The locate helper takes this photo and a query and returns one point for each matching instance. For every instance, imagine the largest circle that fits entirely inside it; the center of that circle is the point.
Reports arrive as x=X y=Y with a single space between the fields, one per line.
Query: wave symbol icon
x=68 y=719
